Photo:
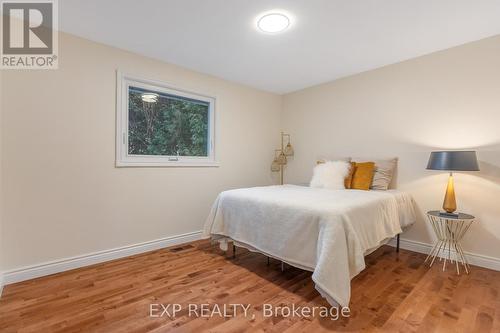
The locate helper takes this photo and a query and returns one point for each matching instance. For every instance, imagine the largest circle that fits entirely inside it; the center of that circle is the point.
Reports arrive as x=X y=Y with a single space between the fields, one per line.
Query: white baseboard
x=472 y=258
x=57 y=266
x=1 y=283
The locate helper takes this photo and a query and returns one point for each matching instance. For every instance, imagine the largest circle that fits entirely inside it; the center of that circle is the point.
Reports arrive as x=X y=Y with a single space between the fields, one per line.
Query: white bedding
x=321 y=230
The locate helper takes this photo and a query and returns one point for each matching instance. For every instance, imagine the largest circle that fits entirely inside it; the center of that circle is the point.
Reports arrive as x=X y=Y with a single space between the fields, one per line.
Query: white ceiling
x=328 y=39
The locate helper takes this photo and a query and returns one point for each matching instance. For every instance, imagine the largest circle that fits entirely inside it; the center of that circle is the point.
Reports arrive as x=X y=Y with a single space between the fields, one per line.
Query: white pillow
x=330 y=174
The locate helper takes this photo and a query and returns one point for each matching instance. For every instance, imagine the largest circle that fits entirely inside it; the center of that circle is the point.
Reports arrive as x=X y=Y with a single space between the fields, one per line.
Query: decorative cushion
x=363 y=175
x=348 y=179
x=384 y=172
x=330 y=174
x=323 y=160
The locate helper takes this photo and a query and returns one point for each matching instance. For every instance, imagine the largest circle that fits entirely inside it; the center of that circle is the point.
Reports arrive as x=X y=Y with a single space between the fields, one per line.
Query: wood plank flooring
x=395 y=293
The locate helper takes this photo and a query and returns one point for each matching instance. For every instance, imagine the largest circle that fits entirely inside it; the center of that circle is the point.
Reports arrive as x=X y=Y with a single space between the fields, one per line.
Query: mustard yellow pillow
x=362 y=176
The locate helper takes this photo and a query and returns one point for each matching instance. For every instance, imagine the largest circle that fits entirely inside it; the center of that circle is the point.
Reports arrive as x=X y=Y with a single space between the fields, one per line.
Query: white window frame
x=123 y=159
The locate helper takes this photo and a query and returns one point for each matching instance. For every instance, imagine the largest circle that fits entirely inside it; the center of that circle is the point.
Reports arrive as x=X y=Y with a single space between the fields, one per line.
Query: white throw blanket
x=321 y=230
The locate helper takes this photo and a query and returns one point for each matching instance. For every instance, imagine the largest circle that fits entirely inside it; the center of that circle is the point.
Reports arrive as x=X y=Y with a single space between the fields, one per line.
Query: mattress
x=325 y=231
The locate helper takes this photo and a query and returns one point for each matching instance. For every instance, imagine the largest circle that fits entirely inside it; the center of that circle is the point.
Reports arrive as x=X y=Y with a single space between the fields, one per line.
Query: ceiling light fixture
x=273 y=23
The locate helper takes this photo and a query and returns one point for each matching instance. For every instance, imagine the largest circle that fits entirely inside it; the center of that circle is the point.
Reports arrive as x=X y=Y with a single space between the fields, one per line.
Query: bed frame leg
x=397 y=243
x=234 y=251
x=267 y=261
x=282 y=266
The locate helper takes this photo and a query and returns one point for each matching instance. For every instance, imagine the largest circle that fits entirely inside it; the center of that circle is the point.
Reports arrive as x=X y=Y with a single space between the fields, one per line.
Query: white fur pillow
x=330 y=174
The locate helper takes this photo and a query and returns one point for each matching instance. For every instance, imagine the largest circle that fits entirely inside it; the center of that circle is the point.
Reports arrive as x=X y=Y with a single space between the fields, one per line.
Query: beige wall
x=1 y=188
x=446 y=100
x=63 y=195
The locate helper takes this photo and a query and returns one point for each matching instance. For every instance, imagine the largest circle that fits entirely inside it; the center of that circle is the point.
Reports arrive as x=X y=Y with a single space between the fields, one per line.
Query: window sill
x=167 y=164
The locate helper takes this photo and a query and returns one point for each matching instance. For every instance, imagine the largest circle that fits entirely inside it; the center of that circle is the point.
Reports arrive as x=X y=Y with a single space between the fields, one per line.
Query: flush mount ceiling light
x=273 y=22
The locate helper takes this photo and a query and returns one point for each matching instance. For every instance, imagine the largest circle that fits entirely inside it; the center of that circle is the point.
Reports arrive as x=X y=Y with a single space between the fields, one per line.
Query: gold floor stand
x=449 y=233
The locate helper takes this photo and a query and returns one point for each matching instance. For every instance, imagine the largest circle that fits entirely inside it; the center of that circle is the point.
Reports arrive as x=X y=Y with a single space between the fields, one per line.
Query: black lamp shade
x=453 y=161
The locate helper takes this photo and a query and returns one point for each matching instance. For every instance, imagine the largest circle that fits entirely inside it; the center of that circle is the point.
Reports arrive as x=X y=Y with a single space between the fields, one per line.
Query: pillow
x=323 y=160
x=363 y=176
x=348 y=179
x=384 y=171
x=330 y=174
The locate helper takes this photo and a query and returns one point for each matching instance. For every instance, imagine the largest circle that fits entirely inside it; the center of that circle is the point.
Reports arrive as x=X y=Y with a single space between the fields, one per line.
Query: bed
x=324 y=231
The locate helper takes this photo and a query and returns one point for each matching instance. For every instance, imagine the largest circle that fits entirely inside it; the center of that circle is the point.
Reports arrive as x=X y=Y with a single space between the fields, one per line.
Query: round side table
x=449 y=231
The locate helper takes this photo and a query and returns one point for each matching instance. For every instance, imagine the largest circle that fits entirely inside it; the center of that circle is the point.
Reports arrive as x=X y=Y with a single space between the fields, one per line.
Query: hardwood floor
x=396 y=293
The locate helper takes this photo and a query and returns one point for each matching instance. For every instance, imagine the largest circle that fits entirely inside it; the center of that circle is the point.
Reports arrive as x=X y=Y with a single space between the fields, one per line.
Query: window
x=161 y=126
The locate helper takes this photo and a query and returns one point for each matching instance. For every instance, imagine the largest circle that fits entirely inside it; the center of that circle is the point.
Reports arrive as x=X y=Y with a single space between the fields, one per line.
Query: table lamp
x=452 y=161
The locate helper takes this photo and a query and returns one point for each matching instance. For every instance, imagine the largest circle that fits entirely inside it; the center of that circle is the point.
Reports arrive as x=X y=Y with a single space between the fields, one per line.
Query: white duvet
x=324 y=231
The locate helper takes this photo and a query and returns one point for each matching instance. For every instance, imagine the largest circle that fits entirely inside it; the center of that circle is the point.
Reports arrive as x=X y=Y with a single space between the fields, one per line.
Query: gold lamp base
x=450 y=203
